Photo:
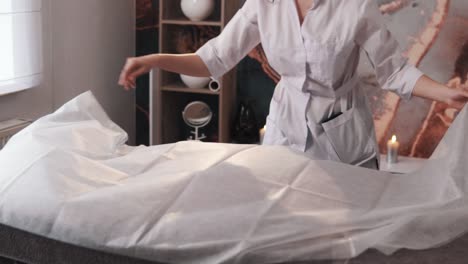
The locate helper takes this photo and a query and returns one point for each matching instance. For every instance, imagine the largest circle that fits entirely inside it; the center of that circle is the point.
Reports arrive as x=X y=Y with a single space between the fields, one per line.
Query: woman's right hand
x=133 y=68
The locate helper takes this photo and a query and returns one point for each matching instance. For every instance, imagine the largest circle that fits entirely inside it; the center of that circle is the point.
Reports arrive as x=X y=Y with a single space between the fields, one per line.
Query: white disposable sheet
x=70 y=177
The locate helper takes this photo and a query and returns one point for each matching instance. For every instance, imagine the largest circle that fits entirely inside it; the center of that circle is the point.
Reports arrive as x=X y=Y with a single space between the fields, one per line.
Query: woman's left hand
x=457 y=98
x=427 y=88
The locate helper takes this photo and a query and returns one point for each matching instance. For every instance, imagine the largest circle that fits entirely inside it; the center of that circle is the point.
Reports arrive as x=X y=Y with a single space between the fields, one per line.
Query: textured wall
x=431 y=34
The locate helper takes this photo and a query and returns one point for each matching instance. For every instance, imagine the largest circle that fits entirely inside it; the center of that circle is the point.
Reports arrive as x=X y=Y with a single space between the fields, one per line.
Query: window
x=20 y=45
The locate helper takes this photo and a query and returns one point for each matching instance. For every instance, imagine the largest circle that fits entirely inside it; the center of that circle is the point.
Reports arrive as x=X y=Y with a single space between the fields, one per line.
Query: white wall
x=86 y=44
x=91 y=40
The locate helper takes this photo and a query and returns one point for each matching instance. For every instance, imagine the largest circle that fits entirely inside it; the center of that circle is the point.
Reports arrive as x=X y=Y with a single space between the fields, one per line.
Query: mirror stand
x=197 y=115
x=195 y=135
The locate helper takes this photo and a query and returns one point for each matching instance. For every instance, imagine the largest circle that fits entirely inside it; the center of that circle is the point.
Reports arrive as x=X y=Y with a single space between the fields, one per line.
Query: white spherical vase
x=195 y=82
x=197 y=10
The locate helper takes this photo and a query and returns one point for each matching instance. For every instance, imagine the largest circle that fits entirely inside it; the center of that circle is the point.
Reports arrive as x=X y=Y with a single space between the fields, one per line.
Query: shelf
x=191 y=23
x=169 y=95
x=179 y=37
x=180 y=88
x=404 y=165
x=173 y=127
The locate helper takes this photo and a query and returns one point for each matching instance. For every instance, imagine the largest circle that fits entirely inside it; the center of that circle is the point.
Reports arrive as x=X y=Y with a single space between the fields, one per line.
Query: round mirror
x=197 y=115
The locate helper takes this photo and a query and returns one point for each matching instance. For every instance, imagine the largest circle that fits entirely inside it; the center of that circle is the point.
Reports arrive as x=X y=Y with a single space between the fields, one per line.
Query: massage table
x=71 y=191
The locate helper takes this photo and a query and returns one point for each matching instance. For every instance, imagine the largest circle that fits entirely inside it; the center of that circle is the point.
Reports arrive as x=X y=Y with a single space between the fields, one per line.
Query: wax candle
x=392 y=150
x=262 y=134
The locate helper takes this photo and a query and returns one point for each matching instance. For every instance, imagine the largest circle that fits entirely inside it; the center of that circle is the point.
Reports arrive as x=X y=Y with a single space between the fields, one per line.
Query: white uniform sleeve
x=238 y=38
x=393 y=71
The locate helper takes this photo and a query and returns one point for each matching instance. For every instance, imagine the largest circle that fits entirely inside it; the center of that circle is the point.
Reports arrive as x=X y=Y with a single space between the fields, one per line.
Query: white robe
x=318 y=93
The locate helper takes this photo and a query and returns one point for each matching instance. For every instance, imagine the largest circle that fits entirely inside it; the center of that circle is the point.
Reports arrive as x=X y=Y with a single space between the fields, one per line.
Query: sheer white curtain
x=20 y=45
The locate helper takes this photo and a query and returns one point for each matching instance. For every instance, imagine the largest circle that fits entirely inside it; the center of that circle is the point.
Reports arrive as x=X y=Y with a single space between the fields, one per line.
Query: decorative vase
x=195 y=82
x=245 y=126
x=197 y=10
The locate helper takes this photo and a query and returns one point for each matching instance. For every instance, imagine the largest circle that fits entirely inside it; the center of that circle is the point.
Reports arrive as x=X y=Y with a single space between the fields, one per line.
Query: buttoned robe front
x=318 y=106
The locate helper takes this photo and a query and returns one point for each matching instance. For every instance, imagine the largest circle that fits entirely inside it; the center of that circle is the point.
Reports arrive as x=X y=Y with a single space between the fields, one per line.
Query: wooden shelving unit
x=191 y=23
x=169 y=96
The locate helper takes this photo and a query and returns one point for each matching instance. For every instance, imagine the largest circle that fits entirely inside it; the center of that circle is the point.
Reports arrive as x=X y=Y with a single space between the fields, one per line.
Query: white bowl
x=197 y=10
x=195 y=82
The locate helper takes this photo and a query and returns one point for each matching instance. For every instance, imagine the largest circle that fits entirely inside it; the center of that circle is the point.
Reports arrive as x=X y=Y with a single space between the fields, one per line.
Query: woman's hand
x=133 y=68
x=189 y=64
x=430 y=89
x=457 y=98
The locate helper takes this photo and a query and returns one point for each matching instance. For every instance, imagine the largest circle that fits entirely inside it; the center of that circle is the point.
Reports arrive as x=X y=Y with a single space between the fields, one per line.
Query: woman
x=317 y=107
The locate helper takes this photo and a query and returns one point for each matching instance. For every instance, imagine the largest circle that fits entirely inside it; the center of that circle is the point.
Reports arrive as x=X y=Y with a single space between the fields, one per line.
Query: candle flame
x=394 y=139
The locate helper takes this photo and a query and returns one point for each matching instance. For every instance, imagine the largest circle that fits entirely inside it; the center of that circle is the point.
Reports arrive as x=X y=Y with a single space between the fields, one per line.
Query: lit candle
x=262 y=134
x=392 y=150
